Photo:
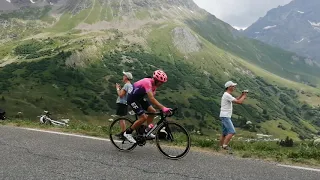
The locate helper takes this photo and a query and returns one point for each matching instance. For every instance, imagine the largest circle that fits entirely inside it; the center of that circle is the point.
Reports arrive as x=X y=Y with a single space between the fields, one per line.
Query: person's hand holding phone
x=118 y=86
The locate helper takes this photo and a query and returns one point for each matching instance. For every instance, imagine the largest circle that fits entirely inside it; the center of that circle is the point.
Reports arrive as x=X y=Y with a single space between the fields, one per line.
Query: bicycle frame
x=162 y=121
x=156 y=126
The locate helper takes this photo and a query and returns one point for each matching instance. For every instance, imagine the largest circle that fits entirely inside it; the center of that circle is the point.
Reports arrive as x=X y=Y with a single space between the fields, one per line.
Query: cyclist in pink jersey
x=136 y=99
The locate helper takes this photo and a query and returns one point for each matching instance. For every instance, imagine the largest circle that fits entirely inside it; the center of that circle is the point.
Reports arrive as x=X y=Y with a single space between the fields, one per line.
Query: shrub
x=288 y=142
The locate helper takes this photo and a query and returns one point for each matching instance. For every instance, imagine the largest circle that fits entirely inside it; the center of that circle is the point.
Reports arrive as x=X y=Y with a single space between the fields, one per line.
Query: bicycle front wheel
x=117 y=128
x=173 y=140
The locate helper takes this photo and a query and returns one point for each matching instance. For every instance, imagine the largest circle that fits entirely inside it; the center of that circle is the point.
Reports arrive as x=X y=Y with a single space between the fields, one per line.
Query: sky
x=239 y=13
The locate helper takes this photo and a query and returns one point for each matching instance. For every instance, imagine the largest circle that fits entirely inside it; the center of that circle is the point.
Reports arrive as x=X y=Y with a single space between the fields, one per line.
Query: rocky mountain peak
x=294 y=27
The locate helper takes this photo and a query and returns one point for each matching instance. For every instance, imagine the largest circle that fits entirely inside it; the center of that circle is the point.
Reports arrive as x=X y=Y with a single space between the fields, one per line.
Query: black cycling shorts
x=140 y=106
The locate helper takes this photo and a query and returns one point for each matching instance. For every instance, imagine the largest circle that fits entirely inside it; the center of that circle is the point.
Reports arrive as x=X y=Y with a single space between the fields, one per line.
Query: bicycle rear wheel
x=173 y=140
x=116 y=134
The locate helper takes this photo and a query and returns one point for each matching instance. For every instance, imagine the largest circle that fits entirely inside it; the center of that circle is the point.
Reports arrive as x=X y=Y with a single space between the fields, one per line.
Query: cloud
x=239 y=13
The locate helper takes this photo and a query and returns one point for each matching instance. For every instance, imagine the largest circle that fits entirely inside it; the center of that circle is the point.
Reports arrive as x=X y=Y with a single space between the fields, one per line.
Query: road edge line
x=298 y=167
x=65 y=134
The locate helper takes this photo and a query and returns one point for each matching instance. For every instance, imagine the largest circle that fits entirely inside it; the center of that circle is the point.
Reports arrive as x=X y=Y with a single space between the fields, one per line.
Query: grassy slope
x=68 y=21
x=309 y=126
x=94 y=14
x=54 y=95
x=211 y=58
x=271 y=127
x=212 y=55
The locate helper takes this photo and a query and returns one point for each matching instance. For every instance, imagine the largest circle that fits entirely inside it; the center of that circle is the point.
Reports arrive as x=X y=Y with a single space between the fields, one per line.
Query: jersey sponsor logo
x=134 y=105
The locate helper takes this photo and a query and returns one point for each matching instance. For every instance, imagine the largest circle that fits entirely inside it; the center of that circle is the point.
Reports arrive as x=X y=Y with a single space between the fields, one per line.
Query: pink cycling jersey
x=136 y=96
x=142 y=87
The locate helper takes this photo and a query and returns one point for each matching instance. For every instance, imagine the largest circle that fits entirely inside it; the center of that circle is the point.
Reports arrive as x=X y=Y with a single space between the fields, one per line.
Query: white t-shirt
x=226 y=105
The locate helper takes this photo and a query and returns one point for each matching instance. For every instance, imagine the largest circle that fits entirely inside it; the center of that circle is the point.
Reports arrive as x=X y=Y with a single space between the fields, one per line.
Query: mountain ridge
x=293 y=27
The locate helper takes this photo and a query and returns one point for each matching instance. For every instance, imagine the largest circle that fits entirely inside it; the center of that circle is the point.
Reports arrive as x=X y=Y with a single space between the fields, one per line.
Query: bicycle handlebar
x=173 y=111
x=163 y=114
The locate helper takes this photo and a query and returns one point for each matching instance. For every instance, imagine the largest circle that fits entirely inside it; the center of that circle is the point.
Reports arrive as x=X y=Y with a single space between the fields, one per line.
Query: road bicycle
x=46 y=119
x=170 y=137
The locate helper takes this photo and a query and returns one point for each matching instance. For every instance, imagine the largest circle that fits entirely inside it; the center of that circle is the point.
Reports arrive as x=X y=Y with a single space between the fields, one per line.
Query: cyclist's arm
x=154 y=101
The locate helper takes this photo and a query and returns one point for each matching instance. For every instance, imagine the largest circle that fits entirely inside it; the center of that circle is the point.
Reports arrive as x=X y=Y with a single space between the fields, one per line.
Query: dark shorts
x=139 y=106
x=227 y=126
x=122 y=109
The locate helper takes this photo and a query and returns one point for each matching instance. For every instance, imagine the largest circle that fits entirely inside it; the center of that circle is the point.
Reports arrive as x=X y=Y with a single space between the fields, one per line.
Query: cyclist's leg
x=150 y=118
x=128 y=133
x=139 y=122
x=148 y=107
x=136 y=107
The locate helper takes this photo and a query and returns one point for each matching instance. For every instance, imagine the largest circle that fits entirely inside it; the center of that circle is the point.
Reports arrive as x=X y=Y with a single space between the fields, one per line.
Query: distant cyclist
x=122 y=106
x=136 y=99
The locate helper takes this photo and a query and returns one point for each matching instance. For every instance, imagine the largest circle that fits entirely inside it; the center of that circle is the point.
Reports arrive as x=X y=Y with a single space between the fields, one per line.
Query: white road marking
x=73 y=135
x=299 y=167
x=67 y=134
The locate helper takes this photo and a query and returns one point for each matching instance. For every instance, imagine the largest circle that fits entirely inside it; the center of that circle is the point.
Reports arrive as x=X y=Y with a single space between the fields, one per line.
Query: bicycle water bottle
x=150 y=126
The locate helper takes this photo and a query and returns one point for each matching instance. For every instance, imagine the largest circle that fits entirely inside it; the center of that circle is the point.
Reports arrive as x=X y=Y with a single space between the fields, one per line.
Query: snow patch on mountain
x=316 y=26
x=270 y=27
x=314 y=23
x=299 y=41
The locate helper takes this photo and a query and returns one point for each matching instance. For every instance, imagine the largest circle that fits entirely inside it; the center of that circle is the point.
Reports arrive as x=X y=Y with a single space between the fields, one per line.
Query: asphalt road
x=27 y=154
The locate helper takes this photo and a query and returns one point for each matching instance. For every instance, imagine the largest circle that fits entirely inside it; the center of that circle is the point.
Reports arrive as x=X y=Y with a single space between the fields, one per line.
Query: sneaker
x=129 y=137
